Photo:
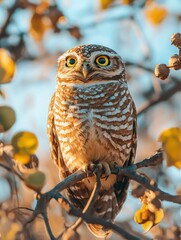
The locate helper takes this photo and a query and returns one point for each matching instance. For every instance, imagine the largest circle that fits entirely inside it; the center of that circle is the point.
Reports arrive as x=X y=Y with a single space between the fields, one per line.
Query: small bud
x=176 y=40
x=175 y=62
x=162 y=71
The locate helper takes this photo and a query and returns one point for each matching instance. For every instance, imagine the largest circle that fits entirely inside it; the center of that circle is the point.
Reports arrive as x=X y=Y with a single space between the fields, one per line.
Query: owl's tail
x=106 y=207
x=99 y=231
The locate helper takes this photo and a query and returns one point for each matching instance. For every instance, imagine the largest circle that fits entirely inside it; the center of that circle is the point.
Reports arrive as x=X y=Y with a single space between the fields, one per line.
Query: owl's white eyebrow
x=87 y=83
x=99 y=53
x=63 y=56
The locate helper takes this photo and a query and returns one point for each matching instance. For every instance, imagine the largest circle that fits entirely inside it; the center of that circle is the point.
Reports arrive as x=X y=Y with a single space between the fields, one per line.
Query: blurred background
x=36 y=33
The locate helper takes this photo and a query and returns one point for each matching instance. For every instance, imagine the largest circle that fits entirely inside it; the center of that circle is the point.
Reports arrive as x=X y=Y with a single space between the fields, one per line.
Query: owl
x=92 y=122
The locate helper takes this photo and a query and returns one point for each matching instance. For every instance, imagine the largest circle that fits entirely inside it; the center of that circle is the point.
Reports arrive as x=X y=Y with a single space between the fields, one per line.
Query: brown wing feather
x=54 y=143
x=122 y=183
x=78 y=194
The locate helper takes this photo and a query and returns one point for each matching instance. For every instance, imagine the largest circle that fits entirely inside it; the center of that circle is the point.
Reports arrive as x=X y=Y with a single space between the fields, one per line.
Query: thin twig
x=129 y=171
x=131 y=174
x=159 y=98
x=134 y=64
x=10 y=169
x=90 y=219
x=154 y=160
x=47 y=224
x=20 y=208
x=90 y=202
x=70 y=180
x=6 y=23
x=165 y=94
x=88 y=205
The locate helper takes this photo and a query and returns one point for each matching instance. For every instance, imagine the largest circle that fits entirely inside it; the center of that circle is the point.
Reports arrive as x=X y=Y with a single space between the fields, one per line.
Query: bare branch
x=160 y=98
x=131 y=174
x=90 y=202
x=130 y=171
x=69 y=181
x=10 y=168
x=156 y=159
x=90 y=219
x=6 y=23
x=47 y=224
x=88 y=206
x=165 y=94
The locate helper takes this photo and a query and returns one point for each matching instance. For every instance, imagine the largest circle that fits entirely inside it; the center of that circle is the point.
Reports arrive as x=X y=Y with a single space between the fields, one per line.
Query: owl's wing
x=54 y=143
x=78 y=194
x=122 y=183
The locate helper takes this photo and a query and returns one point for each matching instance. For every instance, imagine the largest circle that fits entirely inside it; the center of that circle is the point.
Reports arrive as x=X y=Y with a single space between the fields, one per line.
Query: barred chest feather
x=94 y=122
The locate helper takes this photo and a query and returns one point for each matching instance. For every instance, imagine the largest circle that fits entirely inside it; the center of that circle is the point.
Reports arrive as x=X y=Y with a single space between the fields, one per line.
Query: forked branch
x=130 y=172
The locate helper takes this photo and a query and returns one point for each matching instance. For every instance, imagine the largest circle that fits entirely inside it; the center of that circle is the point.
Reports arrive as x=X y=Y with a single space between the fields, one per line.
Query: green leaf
x=7 y=118
x=35 y=180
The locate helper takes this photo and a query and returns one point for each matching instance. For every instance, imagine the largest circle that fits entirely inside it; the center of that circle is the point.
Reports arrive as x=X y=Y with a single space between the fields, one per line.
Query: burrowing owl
x=92 y=120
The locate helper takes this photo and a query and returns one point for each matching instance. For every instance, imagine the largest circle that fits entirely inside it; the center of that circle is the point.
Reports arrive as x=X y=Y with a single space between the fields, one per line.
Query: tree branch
x=131 y=174
x=130 y=171
x=91 y=200
x=10 y=168
x=165 y=94
x=90 y=219
x=159 y=98
x=6 y=23
x=88 y=206
x=154 y=160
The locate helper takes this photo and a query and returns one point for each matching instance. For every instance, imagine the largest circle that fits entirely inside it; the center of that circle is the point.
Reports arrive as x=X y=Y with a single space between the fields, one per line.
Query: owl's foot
x=103 y=167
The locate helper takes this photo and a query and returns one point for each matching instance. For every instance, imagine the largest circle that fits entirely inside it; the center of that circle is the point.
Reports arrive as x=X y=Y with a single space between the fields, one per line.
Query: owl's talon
x=107 y=170
x=103 y=167
x=99 y=166
x=113 y=165
x=92 y=167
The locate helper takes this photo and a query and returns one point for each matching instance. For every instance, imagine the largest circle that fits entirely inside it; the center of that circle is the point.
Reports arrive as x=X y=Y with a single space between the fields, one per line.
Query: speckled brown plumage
x=92 y=119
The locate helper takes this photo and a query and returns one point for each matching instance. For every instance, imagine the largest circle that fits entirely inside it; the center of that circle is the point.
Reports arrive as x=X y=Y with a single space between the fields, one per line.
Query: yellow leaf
x=7 y=66
x=142 y=214
x=25 y=142
x=35 y=180
x=145 y=215
x=173 y=150
x=178 y=164
x=104 y=4
x=22 y=157
x=175 y=131
x=147 y=218
x=147 y=226
x=159 y=214
x=38 y=25
x=155 y=14
x=138 y=216
x=171 y=141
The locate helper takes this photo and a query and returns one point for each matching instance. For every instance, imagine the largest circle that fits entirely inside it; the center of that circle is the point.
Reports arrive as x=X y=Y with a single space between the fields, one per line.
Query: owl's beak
x=85 y=69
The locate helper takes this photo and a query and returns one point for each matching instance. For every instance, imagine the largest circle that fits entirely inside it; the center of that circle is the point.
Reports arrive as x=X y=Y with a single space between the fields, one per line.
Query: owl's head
x=87 y=63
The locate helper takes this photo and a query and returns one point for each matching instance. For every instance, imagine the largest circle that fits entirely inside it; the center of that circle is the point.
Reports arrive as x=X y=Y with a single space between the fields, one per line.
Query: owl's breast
x=93 y=124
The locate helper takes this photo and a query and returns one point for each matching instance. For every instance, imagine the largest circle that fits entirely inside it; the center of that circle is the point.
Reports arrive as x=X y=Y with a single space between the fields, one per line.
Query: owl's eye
x=71 y=61
x=102 y=61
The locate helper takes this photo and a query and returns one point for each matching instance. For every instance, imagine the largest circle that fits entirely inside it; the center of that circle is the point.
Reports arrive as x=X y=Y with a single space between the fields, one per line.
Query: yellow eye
x=71 y=61
x=102 y=61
